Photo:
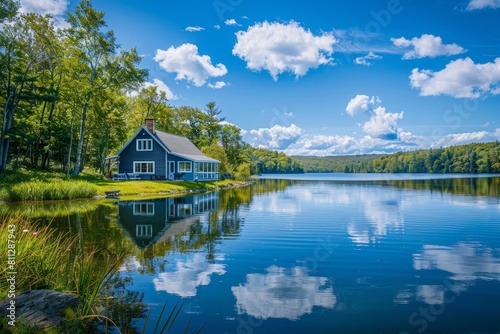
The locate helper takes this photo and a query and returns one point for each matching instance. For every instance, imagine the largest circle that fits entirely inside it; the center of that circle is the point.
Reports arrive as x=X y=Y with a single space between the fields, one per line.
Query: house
x=147 y=222
x=152 y=154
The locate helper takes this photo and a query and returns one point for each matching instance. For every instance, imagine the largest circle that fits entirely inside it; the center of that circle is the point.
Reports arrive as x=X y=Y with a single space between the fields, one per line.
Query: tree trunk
x=79 y=149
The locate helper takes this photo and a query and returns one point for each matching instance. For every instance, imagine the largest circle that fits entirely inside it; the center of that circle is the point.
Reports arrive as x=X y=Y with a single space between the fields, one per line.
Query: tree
x=8 y=8
x=96 y=64
x=23 y=55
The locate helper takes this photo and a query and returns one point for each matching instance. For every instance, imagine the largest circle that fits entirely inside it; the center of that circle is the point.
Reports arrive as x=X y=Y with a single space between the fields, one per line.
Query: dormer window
x=144 y=144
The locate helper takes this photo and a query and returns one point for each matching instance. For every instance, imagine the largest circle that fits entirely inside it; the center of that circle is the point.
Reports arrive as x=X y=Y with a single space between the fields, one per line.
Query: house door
x=171 y=169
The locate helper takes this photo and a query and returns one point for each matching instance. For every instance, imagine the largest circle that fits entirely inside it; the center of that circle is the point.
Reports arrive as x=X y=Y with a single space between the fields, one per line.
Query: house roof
x=173 y=144
x=182 y=147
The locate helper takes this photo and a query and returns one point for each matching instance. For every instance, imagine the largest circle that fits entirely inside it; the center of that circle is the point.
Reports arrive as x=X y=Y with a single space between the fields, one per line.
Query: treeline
x=71 y=97
x=470 y=158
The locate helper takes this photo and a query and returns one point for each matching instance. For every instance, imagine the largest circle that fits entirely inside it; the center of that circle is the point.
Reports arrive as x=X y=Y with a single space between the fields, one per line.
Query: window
x=144 y=209
x=144 y=231
x=184 y=167
x=144 y=167
x=144 y=144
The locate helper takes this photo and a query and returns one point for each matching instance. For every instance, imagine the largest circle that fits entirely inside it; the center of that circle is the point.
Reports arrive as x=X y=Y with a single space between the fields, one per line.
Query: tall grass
x=47 y=260
x=56 y=190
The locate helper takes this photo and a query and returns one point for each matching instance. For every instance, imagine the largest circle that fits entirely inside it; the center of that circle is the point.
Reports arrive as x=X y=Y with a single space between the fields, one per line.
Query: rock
x=40 y=308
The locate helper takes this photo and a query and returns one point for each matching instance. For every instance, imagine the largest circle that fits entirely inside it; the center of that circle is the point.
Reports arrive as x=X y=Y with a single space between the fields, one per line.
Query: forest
x=470 y=158
x=72 y=97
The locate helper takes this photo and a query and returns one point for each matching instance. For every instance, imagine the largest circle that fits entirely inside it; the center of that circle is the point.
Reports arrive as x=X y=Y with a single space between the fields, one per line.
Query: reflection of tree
x=123 y=305
x=487 y=186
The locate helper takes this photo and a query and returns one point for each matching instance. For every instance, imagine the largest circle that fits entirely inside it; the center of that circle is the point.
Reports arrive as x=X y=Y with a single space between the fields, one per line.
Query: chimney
x=150 y=123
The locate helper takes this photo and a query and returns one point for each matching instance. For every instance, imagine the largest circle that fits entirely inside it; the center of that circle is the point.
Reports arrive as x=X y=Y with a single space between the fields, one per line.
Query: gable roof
x=183 y=147
x=174 y=144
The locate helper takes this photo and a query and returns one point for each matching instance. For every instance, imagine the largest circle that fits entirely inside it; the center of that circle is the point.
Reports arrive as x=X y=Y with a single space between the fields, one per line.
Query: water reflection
x=147 y=222
x=464 y=261
x=282 y=293
x=184 y=275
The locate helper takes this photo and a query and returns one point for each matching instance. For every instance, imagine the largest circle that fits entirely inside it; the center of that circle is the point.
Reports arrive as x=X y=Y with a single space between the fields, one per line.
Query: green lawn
x=36 y=185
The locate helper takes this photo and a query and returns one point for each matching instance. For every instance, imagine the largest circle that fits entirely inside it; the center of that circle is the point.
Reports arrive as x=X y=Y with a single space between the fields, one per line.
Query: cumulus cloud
x=381 y=124
x=188 y=64
x=231 y=22
x=194 y=29
x=217 y=85
x=160 y=86
x=427 y=46
x=184 y=276
x=56 y=8
x=461 y=78
x=282 y=294
x=277 y=137
x=53 y=7
x=277 y=48
x=367 y=60
x=466 y=138
x=481 y=4
x=357 y=104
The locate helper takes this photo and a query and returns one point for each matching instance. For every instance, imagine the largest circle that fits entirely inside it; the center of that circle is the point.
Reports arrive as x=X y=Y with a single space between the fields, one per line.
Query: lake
x=320 y=253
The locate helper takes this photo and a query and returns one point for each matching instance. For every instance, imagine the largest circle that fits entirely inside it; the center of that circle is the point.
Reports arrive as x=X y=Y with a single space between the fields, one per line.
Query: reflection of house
x=145 y=222
x=156 y=154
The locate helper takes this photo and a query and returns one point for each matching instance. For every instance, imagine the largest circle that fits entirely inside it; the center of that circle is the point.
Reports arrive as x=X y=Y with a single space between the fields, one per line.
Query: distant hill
x=470 y=158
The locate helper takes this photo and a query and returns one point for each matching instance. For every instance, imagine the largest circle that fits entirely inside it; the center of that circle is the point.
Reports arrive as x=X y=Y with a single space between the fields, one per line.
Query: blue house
x=152 y=154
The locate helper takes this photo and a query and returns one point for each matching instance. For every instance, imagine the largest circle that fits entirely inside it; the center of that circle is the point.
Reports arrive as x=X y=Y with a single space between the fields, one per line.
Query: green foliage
x=268 y=161
x=470 y=158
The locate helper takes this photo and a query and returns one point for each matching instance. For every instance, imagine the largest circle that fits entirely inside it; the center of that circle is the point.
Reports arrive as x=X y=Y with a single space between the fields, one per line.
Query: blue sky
x=322 y=77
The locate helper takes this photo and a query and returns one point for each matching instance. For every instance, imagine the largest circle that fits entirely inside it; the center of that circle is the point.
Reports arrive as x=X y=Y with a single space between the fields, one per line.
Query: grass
x=46 y=260
x=25 y=185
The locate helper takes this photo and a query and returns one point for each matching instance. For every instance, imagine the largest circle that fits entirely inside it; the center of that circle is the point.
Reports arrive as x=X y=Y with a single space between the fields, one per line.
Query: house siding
x=176 y=159
x=130 y=154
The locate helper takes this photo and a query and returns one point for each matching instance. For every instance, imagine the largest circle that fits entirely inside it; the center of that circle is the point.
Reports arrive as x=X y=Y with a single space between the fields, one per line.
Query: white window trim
x=148 y=206
x=144 y=162
x=184 y=170
x=141 y=143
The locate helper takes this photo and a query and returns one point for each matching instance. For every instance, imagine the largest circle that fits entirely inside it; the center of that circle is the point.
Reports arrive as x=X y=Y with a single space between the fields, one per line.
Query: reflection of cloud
x=185 y=276
x=466 y=262
x=279 y=294
x=380 y=214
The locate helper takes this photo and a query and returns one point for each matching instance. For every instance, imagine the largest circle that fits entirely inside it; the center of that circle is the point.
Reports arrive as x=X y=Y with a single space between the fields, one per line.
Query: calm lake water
x=309 y=254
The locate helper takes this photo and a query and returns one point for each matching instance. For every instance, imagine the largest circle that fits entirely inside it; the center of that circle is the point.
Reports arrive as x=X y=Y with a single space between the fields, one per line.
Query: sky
x=321 y=77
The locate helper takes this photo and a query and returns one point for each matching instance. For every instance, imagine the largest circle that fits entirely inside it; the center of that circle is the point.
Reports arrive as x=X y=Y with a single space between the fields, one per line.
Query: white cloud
x=231 y=22
x=277 y=137
x=357 y=104
x=217 y=85
x=466 y=138
x=278 y=48
x=56 y=8
x=383 y=124
x=160 y=86
x=481 y=4
x=366 y=60
x=184 y=277
x=427 y=46
x=42 y=7
x=188 y=64
x=282 y=294
x=461 y=78
x=194 y=29
x=217 y=26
